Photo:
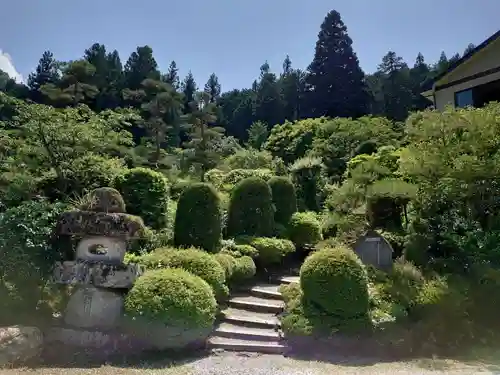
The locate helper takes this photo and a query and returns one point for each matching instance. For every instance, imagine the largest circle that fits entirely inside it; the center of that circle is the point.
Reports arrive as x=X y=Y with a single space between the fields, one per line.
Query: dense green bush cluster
x=193 y=260
x=244 y=269
x=174 y=297
x=228 y=262
x=249 y=159
x=198 y=218
x=251 y=209
x=146 y=195
x=304 y=229
x=284 y=199
x=272 y=250
x=336 y=281
x=237 y=175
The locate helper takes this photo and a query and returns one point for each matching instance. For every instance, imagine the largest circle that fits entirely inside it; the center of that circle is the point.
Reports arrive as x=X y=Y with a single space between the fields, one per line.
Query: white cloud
x=7 y=65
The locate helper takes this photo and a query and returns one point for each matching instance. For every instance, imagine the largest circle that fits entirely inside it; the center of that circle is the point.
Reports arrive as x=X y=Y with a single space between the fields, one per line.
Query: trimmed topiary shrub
x=178 y=187
x=244 y=269
x=198 y=218
x=104 y=199
x=180 y=307
x=193 y=260
x=337 y=282
x=284 y=199
x=145 y=193
x=251 y=209
x=304 y=229
x=228 y=262
x=272 y=250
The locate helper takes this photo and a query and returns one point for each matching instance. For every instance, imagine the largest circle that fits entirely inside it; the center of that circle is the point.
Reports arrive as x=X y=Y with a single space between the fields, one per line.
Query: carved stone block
x=105 y=276
x=90 y=307
x=72 y=273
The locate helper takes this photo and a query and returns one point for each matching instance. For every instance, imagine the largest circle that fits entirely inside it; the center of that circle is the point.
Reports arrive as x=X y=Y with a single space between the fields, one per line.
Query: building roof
x=465 y=58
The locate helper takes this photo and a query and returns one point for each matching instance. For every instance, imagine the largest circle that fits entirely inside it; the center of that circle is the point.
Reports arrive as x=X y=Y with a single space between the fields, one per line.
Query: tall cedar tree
x=140 y=66
x=268 y=103
x=336 y=82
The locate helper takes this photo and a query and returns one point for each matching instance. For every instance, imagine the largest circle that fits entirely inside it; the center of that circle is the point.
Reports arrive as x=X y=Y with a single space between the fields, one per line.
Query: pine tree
x=469 y=48
x=257 y=135
x=396 y=86
x=335 y=80
x=202 y=134
x=292 y=84
x=268 y=102
x=110 y=96
x=140 y=66
x=172 y=75
x=46 y=72
x=213 y=88
x=419 y=75
x=189 y=89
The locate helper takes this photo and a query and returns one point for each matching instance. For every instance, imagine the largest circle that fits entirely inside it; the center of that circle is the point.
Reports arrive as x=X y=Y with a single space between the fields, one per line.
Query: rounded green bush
x=174 y=297
x=251 y=209
x=244 y=269
x=228 y=262
x=272 y=250
x=304 y=229
x=193 y=260
x=145 y=193
x=336 y=281
x=178 y=187
x=198 y=218
x=284 y=199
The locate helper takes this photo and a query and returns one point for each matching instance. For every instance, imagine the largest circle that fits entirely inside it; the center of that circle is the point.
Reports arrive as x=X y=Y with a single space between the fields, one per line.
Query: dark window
x=464 y=98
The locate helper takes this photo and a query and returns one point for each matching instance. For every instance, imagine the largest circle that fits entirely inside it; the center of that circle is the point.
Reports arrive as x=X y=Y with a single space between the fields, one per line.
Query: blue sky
x=234 y=37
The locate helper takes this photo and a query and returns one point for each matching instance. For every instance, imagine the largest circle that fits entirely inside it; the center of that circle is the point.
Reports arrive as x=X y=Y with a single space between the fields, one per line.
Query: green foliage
x=198 y=218
x=177 y=188
x=292 y=140
x=237 y=175
x=308 y=179
x=193 y=260
x=228 y=262
x=244 y=269
x=304 y=229
x=272 y=250
x=174 y=297
x=336 y=280
x=251 y=209
x=146 y=195
x=284 y=199
x=249 y=159
x=239 y=249
x=257 y=135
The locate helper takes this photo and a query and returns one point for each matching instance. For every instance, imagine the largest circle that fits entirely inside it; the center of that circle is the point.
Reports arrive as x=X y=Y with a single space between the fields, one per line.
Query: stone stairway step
x=290 y=279
x=233 y=331
x=266 y=291
x=257 y=304
x=251 y=318
x=266 y=347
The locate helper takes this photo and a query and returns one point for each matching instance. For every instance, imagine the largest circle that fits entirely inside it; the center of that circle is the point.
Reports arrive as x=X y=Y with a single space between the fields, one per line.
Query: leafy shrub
x=239 y=249
x=85 y=173
x=244 y=269
x=249 y=159
x=336 y=281
x=146 y=195
x=250 y=209
x=193 y=260
x=174 y=297
x=237 y=175
x=151 y=239
x=198 y=218
x=227 y=262
x=28 y=254
x=304 y=229
x=215 y=177
x=272 y=250
x=284 y=199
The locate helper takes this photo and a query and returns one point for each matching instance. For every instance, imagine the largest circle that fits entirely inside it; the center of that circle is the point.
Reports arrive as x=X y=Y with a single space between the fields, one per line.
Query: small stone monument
x=373 y=249
x=98 y=273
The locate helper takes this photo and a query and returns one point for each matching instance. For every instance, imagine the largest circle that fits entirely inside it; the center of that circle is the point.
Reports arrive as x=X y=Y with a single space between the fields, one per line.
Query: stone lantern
x=98 y=272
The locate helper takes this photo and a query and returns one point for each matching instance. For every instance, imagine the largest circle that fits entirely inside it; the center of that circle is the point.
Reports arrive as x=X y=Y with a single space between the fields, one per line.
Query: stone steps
x=250 y=323
x=237 y=345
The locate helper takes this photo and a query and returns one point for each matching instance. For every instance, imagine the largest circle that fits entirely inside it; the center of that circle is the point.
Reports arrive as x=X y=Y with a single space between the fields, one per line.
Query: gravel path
x=250 y=364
